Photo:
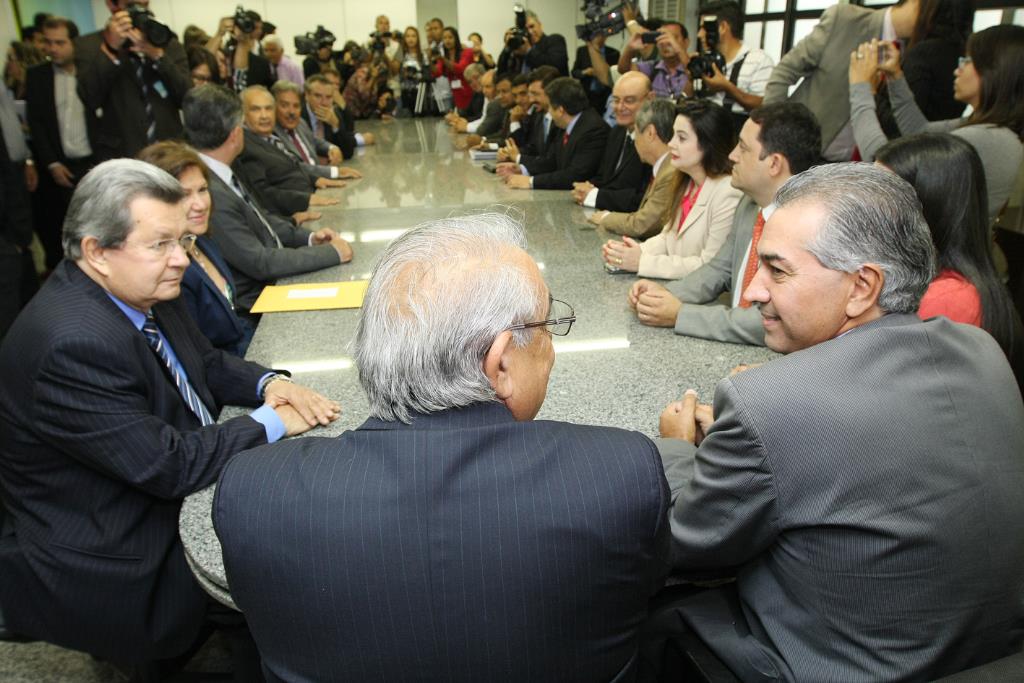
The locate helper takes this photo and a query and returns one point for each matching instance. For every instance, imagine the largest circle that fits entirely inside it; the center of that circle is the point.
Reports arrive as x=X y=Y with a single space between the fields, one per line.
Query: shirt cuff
x=267 y=417
x=591 y=199
x=334 y=172
x=514 y=126
x=360 y=140
x=525 y=172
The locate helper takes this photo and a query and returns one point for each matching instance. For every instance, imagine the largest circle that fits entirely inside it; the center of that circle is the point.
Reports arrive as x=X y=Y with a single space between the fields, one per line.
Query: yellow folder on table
x=311 y=297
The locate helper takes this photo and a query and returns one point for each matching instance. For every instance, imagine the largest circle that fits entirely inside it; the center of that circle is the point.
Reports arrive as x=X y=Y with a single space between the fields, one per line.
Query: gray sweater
x=1000 y=149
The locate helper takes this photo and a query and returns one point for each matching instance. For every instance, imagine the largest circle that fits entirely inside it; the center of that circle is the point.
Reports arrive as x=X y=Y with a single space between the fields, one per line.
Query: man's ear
x=95 y=255
x=496 y=365
x=867 y=285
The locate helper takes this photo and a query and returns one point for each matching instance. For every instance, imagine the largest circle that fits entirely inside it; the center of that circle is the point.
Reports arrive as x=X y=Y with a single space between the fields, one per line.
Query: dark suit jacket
x=42 y=116
x=597 y=92
x=531 y=139
x=318 y=147
x=494 y=119
x=281 y=182
x=621 y=186
x=249 y=249
x=97 y=451
x=15 y=209
x=344 y=137
x=465 y=546
x=576 y=160
x=259 y=71
x=876 y=516
x=208 y=306
x=549 y=51
x=115 y=111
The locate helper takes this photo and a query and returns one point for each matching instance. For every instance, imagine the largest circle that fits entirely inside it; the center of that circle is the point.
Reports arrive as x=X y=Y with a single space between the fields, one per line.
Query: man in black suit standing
x=622 y=177
x=576 y=157
x=259 y=246
x=592 y=71
x=537 y=50
x=15 y=238
x=132 y=89
x=108 y=419
x=457 y=535
x=60 y=137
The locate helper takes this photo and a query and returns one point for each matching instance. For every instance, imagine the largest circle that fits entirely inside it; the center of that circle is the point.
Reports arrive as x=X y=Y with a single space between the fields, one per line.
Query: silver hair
x=661 y=113
x=101 y=205
x=246 y=92
x=873 y=216
x=474 y=69
x=530 y=14
x=284 y=86
x=272 y=39
x=438 y=297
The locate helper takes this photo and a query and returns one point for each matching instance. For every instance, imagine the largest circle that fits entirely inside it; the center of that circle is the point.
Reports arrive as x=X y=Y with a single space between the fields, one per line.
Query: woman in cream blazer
x=701 y=142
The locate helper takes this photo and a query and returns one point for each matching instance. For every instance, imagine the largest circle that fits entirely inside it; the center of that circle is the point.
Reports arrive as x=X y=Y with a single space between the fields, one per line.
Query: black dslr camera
x=378 y=44
x=243 y=20
x=517 y=36
x=707 y=56
x=310 y=43
x=156 y=33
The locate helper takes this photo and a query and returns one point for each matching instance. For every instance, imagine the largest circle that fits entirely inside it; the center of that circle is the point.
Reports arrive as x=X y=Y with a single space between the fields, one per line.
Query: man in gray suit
x=822 y=60
x=777 y=142
x=864 y=490
x=298 y=138
x=259 y=246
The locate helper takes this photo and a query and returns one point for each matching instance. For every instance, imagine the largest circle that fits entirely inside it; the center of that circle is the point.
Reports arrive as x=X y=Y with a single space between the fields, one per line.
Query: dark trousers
x=51 y=206
x=18 y=283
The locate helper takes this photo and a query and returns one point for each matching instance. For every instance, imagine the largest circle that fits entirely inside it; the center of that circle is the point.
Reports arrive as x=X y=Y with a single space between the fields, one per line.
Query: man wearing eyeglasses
x=108 y=415
x=451 y=533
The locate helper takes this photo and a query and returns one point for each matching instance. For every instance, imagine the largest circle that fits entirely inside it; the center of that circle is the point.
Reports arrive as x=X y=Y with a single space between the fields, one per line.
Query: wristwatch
x=262 y=391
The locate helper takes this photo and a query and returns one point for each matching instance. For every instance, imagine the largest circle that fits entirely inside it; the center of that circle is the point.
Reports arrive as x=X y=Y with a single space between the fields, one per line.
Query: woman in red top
x=947 y=175
x=453 y=61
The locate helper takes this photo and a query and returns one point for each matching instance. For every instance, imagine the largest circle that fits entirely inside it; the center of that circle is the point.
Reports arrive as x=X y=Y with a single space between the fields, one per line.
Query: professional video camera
x=310 y=43
x=378 y=43
x=156 y=33
x=707 y=56
x=600 y=20
x=243 y=20
x=517 y=36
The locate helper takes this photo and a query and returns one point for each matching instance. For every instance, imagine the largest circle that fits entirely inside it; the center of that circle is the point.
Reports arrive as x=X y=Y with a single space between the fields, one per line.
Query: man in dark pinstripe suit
x=107 y=411
x=451 y=536
x=865 y=489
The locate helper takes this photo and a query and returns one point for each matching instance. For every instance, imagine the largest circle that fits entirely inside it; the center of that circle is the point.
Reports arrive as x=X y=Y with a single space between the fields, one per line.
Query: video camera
x=518 y=37
x=158 y=35
x=243 y=20
x=707 y=56
x=310 y=43
x=378 y=44
x=601 y=21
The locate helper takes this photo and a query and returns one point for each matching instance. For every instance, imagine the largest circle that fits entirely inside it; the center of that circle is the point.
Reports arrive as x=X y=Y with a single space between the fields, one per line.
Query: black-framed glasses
x=560 y=318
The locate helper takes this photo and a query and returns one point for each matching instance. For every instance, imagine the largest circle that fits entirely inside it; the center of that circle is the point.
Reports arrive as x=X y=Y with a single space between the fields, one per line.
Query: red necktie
x=752 y=260
x=565 y=139
x=298 y=145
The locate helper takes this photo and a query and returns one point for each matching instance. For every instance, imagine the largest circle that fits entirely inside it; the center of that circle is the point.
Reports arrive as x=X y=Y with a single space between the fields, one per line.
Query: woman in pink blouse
x=947 y=174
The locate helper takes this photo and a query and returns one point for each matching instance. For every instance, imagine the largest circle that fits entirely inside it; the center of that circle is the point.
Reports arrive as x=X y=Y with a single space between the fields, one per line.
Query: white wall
x=8 y=28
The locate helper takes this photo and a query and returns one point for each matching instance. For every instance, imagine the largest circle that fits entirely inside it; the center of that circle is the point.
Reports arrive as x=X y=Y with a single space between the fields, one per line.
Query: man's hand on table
x=580 y=191
x=507 y=168
x=320 y=200
x=348 y=172
x=301 y=217
x=654 y=305
x=686 y=419
x=311 y=407
x=322 y=183
x=518 y=182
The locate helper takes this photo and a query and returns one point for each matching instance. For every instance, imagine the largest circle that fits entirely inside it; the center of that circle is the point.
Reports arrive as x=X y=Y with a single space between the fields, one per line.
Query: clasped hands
x=300 y=408
x=865 y=65
x=686 y=419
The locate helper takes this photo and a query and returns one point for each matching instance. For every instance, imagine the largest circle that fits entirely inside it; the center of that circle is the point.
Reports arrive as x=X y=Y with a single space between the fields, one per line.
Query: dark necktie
x=622 y=152
x=140 y=76
x=150 y=331
x=273 y=72
x=299 y=146
x=252 y=205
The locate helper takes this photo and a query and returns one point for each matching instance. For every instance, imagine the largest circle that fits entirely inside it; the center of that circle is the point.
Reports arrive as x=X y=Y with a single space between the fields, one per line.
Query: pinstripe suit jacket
x=464 y=547
x=868 y=488
x=97 y=451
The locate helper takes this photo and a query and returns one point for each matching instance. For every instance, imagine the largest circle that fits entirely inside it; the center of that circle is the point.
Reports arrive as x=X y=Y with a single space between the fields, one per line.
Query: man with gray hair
x=483 y=544
x=298 y=138
x=864 y=490
x=108 y=419
x=282 y=67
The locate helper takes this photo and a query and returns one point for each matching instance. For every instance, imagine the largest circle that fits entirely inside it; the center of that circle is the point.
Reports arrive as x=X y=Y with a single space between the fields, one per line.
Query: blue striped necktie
x=150 y=331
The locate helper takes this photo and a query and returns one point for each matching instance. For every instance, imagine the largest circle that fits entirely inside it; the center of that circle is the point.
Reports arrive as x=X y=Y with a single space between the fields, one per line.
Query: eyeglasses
x=963 y=61
x=628 y=101
x=560 y=318
x=163 y=247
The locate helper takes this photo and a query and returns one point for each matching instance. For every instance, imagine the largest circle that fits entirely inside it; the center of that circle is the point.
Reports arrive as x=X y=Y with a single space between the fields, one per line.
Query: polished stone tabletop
x=610 y=370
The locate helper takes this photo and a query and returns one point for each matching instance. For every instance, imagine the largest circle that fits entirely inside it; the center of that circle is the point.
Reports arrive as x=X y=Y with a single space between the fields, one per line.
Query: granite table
x=610 y=370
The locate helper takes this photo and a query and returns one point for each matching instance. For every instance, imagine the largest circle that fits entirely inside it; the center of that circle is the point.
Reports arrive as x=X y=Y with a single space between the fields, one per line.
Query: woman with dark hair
x=699 y=220
x=480 y=55
x=203 y=66
x=453 y=61
x=411 y=64
x=990 y=78
x=947 y=175
x=207 y=287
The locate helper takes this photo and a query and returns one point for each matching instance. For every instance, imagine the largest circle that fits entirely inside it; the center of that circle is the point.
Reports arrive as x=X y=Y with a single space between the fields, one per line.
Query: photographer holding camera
x=739 y=87
x=318 y=48
x=132 y=76
x=248 y=67
x=669 y=76
x=527 y=47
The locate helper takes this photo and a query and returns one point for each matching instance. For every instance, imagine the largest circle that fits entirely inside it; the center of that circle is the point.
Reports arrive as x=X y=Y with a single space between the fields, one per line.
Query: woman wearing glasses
x=990 y=79
x=207 y=287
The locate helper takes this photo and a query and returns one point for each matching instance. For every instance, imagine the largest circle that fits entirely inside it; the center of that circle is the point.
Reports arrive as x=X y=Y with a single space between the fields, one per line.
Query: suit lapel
x=701 y=206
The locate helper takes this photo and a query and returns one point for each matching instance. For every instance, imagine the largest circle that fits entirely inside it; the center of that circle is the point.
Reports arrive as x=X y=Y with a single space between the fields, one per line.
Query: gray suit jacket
x=318 y=146
x=493 y=118
x=250 y=250
x=866 y=494
x=699 y=316
x=822 y=59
